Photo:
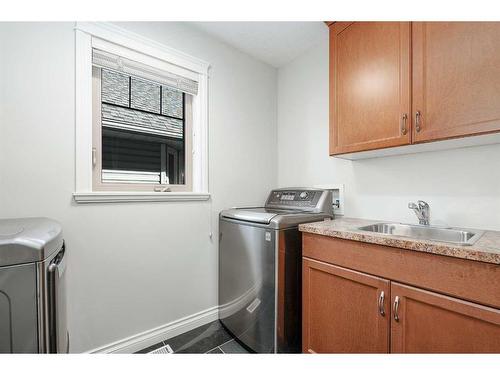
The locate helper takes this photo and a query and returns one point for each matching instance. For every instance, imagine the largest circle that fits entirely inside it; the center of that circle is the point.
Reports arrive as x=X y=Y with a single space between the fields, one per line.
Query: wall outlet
x=337 y=197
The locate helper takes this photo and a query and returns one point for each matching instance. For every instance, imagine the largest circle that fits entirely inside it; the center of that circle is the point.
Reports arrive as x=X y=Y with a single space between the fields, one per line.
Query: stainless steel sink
x=423 y=232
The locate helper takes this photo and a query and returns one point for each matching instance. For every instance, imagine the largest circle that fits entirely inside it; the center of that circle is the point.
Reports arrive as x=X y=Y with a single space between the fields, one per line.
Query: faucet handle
x=423 y=204
x=412 y=206
x=422 y=210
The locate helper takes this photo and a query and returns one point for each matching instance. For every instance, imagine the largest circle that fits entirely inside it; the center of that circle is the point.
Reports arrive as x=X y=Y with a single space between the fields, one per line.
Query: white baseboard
x=239 y=302
x=153 y=336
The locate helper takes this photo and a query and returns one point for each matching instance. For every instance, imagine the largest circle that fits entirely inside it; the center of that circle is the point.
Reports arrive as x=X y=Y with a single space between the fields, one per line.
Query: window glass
x=115 y=88
x=172 y=103
x=143 y=131
x=129 y=159
x=145 y=95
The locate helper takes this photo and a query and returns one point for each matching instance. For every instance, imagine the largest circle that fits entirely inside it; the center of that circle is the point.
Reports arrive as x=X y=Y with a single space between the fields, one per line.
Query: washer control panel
x=299 y=199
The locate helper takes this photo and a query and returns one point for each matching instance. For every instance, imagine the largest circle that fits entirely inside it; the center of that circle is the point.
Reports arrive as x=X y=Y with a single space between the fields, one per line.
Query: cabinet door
x=426 y=322
x=456 y=79
x=343 y=311
x=369 y=86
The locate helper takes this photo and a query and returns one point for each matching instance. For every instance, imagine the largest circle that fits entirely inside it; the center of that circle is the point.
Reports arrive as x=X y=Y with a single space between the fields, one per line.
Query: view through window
x=143 y=128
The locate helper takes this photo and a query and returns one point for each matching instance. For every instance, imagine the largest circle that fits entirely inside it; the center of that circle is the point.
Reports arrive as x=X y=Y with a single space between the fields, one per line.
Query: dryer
x=32 y=287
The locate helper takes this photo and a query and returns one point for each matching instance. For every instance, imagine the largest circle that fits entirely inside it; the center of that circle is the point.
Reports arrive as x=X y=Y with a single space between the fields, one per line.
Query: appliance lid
x=28 y=240
x=261 y=215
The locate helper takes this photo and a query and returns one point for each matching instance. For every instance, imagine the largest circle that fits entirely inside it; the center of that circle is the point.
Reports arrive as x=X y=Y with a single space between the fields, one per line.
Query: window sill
x=125 y=197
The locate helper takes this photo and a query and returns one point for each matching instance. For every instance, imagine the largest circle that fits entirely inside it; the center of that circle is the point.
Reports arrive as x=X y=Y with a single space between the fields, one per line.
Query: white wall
x=462 y=186
x=132 y=267
x=2 y=116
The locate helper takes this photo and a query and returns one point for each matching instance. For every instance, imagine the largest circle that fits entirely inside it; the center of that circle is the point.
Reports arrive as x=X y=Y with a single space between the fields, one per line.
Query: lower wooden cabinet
x=346 y=311
x=343 y=311
x=426 y=322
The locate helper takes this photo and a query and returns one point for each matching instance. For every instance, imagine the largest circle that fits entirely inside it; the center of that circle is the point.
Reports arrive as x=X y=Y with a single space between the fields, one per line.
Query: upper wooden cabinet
x=456 y=79
x=369 y=85
x=444 y=76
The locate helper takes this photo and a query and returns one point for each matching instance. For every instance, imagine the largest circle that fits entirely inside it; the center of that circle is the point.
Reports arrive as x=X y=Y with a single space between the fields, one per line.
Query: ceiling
x=275 y=43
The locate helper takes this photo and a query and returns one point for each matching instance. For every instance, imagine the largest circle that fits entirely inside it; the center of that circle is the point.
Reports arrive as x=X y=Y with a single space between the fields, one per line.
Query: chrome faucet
x=421 y=209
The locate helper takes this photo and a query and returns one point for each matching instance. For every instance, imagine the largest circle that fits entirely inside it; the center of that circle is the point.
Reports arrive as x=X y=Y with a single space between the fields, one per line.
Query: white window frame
x=128 y=44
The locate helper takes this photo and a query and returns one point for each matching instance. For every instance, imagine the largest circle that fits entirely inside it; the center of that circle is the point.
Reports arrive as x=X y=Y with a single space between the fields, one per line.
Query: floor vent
x=163 y=350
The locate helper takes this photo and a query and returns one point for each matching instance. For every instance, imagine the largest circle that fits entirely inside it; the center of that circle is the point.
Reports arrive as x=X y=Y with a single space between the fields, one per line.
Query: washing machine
x=260 y=268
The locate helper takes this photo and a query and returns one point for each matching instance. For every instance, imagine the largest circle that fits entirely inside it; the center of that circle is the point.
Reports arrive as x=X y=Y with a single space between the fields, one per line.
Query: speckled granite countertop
x=486 y=249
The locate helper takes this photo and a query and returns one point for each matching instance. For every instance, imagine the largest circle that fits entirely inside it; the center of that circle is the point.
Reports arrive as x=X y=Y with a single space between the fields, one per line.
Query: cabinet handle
x=395 y=308
x=404 y=117
x=417 y=121
x=381 y=298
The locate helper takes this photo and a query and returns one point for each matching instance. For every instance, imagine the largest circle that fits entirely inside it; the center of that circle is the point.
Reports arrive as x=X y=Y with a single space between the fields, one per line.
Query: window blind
x=108 y=60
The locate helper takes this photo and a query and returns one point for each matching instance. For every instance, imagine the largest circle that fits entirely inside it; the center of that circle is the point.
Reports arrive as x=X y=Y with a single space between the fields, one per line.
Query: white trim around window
x=89 y=35
x=120 y=197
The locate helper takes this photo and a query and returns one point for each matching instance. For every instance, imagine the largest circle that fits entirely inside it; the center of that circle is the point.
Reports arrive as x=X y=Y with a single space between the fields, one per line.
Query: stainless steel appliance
x=32 y=287
x=260 y=268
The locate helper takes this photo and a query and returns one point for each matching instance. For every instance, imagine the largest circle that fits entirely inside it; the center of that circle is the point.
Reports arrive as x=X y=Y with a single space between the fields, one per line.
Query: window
x=141 y=127
x=141 y=133
x=141 y=119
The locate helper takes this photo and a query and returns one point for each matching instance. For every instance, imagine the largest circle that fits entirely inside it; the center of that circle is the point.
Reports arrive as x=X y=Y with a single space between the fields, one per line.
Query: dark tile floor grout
x=211 y=338
x=217 y=347
x=236 y=348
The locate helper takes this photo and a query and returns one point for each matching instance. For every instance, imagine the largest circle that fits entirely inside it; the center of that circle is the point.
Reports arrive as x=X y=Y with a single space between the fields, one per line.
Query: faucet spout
x=422 y=210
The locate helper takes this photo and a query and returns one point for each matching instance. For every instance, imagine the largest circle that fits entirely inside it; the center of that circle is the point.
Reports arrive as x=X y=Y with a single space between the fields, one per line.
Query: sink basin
x=423 y=232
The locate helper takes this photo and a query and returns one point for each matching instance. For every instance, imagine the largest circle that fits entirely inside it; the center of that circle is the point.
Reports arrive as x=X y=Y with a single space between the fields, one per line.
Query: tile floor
x=211 y=338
